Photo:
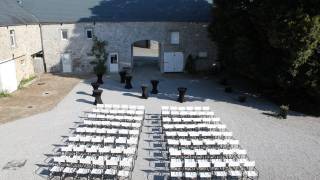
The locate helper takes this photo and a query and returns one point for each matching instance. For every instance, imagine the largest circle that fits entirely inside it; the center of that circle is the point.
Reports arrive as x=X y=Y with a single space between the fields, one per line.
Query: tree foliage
x=99 y=51
x=273 y=42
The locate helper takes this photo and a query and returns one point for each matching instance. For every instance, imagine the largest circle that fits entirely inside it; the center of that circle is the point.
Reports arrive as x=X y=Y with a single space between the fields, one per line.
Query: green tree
x=274 y=43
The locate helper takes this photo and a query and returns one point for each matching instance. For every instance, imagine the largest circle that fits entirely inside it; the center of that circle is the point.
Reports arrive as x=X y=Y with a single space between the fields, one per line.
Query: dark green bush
x=242 y=98
x=190 y=66
x=223 y=81
x=228 y=89
x=283 y=112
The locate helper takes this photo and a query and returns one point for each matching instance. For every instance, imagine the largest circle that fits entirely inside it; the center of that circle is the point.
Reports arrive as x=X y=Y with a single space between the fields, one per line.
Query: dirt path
x=42 y=95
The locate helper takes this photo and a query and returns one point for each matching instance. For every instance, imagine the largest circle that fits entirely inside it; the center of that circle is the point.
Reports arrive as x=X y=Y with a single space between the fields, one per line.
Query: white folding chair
x=92 y=149
x=175 y=163
x=191 y=175
x=123 y=174
x=205 y=108
x=190 y=163
x=176 y=174
x=108 y=106
x=99 y=161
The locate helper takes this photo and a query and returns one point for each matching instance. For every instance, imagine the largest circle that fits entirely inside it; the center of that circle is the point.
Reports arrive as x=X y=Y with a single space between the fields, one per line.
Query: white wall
x=8 y=77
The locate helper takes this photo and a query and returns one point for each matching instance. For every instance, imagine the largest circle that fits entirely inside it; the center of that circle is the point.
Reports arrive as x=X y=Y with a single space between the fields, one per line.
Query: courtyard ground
x=43 y=94
x=282 y=149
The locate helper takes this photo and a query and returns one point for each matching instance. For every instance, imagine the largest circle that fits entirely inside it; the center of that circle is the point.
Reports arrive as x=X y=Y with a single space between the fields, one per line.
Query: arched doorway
x=146 y=54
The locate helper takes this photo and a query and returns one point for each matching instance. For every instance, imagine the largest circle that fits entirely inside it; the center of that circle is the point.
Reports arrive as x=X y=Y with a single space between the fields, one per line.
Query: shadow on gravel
x=84 y=101
x=275 y=115
x=83 y=93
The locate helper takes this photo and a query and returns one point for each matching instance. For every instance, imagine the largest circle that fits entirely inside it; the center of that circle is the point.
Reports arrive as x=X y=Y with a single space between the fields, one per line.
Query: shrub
x=4 y=94
x=190 y=65
x=99 y=51
x=242 y=98
x=25 y=81
x=228 y=89
x=223 y=81
x=283 y=112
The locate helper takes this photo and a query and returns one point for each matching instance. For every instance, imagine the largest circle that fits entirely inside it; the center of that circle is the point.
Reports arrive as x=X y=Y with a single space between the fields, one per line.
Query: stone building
x=179 y=28
x=20 y=43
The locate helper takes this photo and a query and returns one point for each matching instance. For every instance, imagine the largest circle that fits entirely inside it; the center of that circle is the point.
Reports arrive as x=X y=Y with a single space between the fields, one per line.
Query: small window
x=64 y=34
x=114 y=58
x=89 y=33
x=203 y=54
x=12 y=38
x=175 y=39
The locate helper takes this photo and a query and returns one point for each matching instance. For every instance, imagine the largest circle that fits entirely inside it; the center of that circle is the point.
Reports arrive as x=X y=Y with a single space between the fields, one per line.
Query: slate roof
x=12 y=14
x=59 y=11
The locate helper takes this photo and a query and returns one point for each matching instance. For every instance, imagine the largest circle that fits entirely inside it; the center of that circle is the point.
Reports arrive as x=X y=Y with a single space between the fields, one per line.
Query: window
x=12 y=38
x=175 y=37
x=113 y=58
x=203 y=54
x=89 y=33
x=64 y=34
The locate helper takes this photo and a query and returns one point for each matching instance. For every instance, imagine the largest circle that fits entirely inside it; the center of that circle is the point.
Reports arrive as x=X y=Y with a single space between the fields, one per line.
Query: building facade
x=73 y=40
x=56 y=36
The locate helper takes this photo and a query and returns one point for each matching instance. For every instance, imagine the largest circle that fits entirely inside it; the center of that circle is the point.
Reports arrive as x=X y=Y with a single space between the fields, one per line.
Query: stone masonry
x=120 y=36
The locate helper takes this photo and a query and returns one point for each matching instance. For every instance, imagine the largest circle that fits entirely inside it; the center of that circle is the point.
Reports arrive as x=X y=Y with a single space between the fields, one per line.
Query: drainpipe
x=43 y=57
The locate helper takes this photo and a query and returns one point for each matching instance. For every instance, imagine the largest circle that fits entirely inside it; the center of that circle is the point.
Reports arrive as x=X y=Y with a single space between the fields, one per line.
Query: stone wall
x=120 y=36
x=28 y=42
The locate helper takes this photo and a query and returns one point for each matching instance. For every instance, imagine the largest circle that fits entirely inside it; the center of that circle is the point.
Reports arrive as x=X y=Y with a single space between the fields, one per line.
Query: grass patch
x=4 y=94
x=25 y=81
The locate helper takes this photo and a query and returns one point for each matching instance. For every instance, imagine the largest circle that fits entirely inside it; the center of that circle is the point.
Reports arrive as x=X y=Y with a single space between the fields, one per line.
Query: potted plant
x=99 y=51
x=283 y=112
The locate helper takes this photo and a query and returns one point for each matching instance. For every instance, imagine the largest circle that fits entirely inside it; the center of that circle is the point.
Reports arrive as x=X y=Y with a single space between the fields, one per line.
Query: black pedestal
x=95 y=86
x=182 y=93
x=128 y=82
x=144 y=89
x=99 y=78
x=154 y=86
x=122 y=76
x=97 y=94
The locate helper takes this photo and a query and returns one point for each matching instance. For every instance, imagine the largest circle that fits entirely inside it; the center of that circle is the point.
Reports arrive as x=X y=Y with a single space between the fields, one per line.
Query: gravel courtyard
x=282 y=149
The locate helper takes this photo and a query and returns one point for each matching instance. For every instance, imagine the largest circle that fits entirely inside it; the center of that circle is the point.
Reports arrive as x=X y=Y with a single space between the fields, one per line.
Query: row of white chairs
x=112 y=124
x=190 y=120
x=198 y=134
x=87 y=160
x=122 y=106
x=94 y=149
x=89 y=172
x=211 y=163
x=187 y=113
x=202 y=142
x=124 y=118
x=107 y=131
x=215 y=174
x=185 y=108
x=103 y=139
x=184 y=152
x=117 y=112
x=170 y=127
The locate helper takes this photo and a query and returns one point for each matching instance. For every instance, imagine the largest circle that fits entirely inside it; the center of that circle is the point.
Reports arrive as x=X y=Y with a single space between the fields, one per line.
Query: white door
x=113 y=62
x=8 y=78
x=173 y=62
x=178 y=56
x=66 y=63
